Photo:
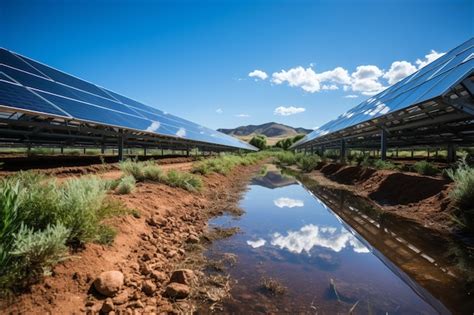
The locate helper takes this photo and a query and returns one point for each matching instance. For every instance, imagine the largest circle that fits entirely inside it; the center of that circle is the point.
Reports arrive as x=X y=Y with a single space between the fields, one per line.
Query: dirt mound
x=424 y=199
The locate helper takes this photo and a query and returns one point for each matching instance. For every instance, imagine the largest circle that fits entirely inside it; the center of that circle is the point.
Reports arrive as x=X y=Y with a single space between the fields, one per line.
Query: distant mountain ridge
x=271 y=130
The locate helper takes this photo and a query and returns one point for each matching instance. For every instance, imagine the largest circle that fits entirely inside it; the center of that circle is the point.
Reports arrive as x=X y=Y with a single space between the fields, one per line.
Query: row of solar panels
x=431 y=81
x=29 y=86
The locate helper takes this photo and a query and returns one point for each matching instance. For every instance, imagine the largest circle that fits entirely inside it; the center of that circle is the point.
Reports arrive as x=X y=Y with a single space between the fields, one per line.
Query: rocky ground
x=155 y=263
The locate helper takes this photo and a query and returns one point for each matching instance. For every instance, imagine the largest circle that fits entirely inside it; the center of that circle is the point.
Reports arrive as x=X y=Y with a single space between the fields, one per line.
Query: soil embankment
x=147 y=248
x=423 y=199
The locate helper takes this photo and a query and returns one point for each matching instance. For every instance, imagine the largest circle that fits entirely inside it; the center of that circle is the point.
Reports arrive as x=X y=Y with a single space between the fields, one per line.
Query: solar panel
x=31 y=86
x=431 y=81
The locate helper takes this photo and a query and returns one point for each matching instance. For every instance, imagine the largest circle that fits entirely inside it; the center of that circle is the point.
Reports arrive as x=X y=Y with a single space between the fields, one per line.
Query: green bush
x=39 y=218
x=225 y=163
x=125 y=185
x=287 y=158
x=146 y=170
x=183 y=180
x=384 y=165
x=259 y=141
x=463 y=191
x=308 y=163
x=425 y=168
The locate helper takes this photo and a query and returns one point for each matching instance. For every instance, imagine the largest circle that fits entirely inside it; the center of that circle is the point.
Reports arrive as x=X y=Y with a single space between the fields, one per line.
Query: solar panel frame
x=397 y=97
x=54 y=87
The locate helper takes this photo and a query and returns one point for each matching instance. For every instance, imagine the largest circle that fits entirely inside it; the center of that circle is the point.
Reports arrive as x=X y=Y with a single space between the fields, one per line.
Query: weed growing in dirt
x=146 y=170
x=425 y=168
x=463 y=191
x=272 y=286
x=225 y=163
x=384 y=165
x=307 y=163
x=125 y=185
x=106 y=235
x=40 y=217
x=183 y=180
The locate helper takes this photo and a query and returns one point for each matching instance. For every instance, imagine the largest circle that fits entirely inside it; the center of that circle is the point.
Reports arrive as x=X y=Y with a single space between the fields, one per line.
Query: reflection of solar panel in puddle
x=32 y=87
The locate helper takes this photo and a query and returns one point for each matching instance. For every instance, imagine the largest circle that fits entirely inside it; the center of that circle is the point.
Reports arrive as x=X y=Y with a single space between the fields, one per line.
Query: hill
x=272 y=130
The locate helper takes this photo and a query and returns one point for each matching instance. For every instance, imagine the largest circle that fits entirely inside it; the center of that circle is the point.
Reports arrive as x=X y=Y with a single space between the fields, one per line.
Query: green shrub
x=146 y=170
x=259 y=141
x=425 y=168
x=384 y=165
x=463 y=191
x=287 y=158
x=308 y=163
x=106 y=235
x=225 y=163
x=39 y=217
x=184 y=180
x=126 y=185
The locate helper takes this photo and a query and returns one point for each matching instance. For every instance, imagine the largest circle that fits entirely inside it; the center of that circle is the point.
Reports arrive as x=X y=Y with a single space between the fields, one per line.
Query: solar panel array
x=431 y=81
x=29 y=86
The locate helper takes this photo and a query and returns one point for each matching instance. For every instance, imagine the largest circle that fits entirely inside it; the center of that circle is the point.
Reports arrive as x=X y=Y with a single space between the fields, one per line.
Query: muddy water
x=333 y=254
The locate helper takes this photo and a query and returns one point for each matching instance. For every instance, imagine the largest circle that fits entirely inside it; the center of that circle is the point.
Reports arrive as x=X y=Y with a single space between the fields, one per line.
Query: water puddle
x=333 y=254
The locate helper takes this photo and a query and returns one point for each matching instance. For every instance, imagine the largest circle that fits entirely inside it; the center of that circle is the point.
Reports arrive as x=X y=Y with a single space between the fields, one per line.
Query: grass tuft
x=425 y=168
x=463 y=191
x=126 y=185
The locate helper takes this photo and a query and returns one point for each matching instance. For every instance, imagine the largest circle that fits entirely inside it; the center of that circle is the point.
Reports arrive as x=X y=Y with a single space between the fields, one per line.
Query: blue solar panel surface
x=433 y=80
x=28 y=85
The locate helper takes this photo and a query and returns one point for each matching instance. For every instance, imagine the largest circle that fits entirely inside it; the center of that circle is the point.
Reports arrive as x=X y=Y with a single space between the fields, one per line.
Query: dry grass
x=272 y=286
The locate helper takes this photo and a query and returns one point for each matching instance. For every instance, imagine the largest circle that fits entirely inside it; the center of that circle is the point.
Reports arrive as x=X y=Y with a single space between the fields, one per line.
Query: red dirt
x=69 y=289
x=423 y=199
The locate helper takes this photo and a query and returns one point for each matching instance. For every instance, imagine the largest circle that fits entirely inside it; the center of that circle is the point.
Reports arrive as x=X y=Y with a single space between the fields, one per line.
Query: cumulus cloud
x=181 y=132
x=154 y=126
x=432 y=56
x=219 y=111
x=365 y=80
x=288 y=202
x=287 y=111
x=399 y=70
x=256 y=244
x=258 y=74
x=310 y=236
x=242 y=115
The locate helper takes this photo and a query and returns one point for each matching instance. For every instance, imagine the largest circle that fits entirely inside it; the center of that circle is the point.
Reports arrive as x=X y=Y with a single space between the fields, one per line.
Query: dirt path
x=146 y=248
x=423 y=199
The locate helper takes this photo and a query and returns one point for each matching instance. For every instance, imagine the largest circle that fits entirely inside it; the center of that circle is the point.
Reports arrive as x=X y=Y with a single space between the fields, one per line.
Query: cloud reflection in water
x=312 y=235
x=288 y=202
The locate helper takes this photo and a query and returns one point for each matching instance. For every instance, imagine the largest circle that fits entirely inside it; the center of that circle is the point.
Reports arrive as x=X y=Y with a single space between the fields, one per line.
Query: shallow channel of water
x=331 y=256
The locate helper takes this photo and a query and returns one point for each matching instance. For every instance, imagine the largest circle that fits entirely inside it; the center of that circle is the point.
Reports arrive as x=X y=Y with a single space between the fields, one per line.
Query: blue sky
x=193 y=59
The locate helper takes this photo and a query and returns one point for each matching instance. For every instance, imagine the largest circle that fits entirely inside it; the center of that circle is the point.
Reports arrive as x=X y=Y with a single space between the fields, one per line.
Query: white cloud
x=299 y=77
x=154 y=126
x=398 y=71
x=365 y=80
x=242 y=115
x=256 y=244
x=219 y=111
x=310 y=236
x=287 y=111
x=258 y=74
x=351 y=96
x=288 y=202
x=432 y=56
x=181 y=132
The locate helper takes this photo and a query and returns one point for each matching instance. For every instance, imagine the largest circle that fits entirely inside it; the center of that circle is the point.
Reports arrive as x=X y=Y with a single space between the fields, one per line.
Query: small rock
x=109 y=282
x=121 y=298
x=108 y=306
x=137 y=304
x=148 y=287
x=192 y=239
x=158 y=275
x=177 y=290
x=183 y=276
x=145 y=269
x=172 y=253
x=156 y=220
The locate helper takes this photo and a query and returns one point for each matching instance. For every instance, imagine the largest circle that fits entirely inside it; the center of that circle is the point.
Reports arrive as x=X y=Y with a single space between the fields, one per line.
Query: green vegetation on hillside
x=285 y=144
